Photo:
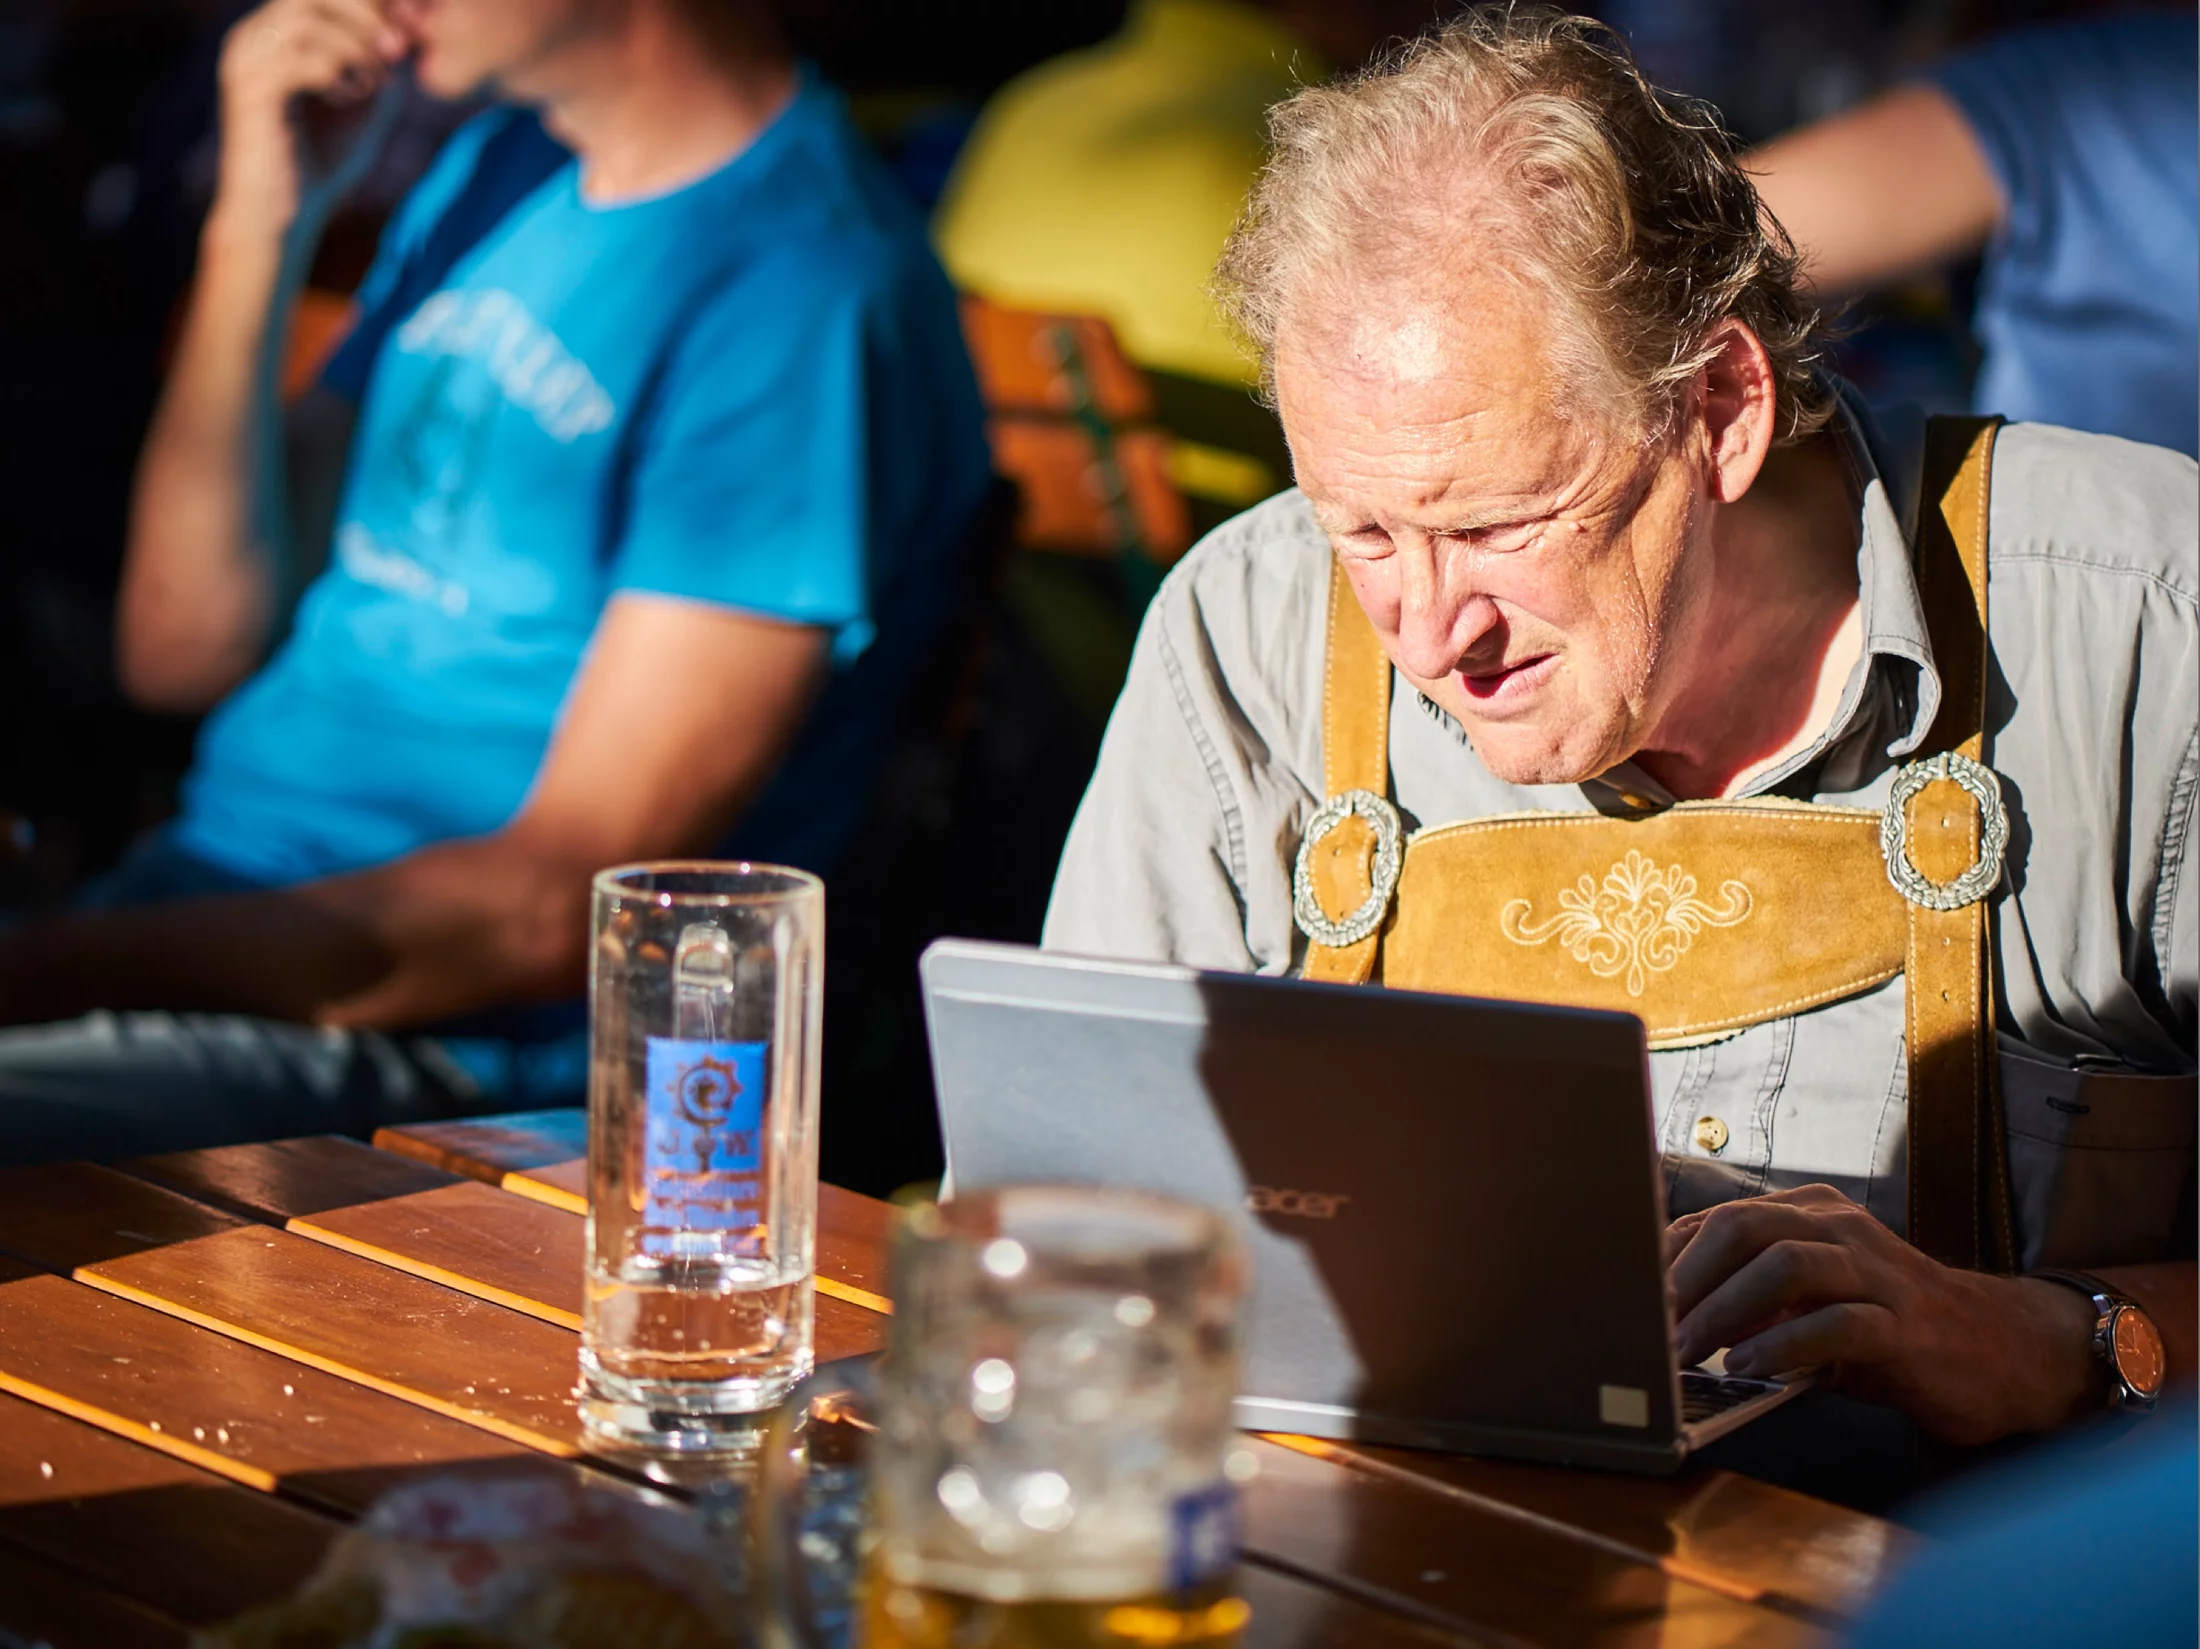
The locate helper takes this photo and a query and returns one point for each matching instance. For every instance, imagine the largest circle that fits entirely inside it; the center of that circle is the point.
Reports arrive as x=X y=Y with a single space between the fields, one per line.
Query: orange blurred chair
x=1071 y=421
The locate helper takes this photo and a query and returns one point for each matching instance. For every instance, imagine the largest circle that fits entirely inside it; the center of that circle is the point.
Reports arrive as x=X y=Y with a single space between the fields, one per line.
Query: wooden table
x=210 y=1361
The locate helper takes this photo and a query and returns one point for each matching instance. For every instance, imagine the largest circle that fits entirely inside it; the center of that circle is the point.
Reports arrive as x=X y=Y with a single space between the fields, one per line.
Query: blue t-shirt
x=2087 y=1540
x=750 y=391
x=2089 y=301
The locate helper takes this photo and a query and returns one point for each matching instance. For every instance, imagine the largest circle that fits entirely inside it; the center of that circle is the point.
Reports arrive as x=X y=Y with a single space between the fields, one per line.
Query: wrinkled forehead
x=1453 y=383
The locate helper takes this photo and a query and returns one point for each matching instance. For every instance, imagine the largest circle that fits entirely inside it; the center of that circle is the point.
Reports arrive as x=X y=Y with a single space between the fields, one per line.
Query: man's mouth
x=1507 y=681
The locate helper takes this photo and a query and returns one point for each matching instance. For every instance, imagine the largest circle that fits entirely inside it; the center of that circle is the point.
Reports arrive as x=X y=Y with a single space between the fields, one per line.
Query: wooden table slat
x=451 y=1352
x=1718 y=1528
x=852 y=1236
x=472 y=1237
x=285 y=1179
x=457 y=1231
x=1487 y=1573
x=560 y=1184
x=260 y=1419
x=488 y=1148
x=43 y=1604
x=65 y=1215
x=186 y=1543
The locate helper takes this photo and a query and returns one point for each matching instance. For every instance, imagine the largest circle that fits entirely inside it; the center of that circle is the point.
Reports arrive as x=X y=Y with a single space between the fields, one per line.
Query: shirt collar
x=1888 y=460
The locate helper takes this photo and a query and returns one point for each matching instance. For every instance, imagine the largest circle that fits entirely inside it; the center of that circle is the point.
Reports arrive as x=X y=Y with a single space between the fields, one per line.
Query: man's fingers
x=328 y=68
x=365 y=18
x=1853 y=1331
x=1788 y=1276
x=1731 y=1235
x=1815 y=1195
x=349 y=32
x=1680 y=1233
x=313 y=46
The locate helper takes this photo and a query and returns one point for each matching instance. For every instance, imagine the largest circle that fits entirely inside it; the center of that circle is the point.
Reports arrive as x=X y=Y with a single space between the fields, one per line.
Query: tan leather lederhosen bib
x=1710 y=917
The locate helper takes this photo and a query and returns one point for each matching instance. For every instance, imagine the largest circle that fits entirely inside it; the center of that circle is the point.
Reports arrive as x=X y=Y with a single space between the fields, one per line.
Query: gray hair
x=1534 y=133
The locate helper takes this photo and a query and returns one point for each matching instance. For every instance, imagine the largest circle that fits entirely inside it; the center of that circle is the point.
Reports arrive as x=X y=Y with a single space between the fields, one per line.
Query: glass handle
x=702 y=984
x=782 y=1599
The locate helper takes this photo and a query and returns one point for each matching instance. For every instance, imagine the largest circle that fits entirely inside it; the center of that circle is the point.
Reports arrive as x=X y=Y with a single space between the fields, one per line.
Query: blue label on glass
x=1203 y=1534
x=703 y=1156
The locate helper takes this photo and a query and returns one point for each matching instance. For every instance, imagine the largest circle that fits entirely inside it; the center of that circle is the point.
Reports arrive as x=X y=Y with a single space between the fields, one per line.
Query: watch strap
x=2083 y=1281
x=2107 y=1303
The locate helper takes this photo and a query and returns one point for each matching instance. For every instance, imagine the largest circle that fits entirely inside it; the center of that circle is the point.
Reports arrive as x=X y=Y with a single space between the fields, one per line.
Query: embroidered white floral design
x=1640 y=920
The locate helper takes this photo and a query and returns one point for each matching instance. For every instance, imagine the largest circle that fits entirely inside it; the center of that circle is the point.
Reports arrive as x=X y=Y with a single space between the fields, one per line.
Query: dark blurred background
x=106 y=165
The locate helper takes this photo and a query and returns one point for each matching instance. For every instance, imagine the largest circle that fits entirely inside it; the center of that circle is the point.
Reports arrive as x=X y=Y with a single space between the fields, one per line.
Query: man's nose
x=1440 y=627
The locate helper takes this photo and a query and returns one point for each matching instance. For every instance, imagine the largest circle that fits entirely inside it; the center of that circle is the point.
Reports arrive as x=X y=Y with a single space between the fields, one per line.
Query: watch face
x=2138 y=1349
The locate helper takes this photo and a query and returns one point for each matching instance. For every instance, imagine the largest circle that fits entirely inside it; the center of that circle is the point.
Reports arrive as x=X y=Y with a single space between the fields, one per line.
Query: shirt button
x=1711 y=1134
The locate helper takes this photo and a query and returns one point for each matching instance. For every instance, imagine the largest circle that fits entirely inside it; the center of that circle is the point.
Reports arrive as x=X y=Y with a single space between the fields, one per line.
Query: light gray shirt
x=1183 y=847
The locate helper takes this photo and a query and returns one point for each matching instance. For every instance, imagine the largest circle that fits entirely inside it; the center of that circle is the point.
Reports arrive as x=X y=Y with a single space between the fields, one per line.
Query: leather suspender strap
x=1355 y=696
x=1958 y=1152
x=1355 y=756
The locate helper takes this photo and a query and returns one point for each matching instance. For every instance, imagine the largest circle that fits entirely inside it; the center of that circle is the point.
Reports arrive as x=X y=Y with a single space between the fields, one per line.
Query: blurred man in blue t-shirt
x=641 y=482
x=2070 y=155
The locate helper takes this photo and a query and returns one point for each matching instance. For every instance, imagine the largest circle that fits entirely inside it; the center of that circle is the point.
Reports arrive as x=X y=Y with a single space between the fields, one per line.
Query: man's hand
x=337 y=51
x=1806 y=1279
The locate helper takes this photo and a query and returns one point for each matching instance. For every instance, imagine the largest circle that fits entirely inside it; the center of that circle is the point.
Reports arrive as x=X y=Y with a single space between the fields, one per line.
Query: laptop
x=1455 y=1207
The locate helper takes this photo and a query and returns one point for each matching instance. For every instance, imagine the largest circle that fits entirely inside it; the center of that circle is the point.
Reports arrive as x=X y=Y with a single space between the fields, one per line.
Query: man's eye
x=1364 y=542
x=1512 y=535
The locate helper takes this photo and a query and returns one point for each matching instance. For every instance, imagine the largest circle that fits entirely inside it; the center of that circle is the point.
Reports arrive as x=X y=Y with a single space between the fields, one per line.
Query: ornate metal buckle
x=1894 y=833
x=1306 y=910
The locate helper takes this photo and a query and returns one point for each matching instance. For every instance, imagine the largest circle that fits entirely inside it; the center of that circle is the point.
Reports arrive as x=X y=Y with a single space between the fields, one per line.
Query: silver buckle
x=1894 y=833
x=1306 y=910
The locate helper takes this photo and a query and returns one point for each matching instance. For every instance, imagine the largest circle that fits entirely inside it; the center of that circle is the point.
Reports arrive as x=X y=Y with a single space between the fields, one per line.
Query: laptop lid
x=1453 y=1205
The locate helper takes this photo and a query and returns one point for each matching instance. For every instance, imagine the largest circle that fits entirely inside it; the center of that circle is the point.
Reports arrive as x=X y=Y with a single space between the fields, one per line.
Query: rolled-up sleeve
x=1155 y=863
x=1211 y=765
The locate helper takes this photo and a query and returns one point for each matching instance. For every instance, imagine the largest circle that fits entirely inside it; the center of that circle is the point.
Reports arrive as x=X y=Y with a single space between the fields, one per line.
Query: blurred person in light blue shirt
x=2069 y=155
x=637 y=494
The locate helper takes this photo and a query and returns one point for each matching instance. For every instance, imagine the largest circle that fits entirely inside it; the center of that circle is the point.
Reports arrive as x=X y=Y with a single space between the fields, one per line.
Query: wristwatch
x=2125 y=1341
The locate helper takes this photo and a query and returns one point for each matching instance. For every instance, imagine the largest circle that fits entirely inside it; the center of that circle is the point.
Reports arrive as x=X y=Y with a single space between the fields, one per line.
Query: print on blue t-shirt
x=750 y=391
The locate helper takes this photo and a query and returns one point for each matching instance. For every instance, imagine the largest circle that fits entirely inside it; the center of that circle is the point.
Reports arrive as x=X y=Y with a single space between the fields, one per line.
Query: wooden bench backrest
x=1070 y=418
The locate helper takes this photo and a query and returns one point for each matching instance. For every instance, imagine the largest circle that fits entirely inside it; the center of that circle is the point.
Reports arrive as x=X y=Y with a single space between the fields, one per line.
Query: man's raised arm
x=1880 y=192
x=215 y=545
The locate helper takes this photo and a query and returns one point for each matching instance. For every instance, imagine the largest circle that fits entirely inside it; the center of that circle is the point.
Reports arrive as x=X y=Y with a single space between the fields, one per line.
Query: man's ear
x=1737 y=397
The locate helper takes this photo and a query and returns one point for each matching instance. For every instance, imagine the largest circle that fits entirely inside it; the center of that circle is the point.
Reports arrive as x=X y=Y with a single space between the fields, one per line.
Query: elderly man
x=1608 y=653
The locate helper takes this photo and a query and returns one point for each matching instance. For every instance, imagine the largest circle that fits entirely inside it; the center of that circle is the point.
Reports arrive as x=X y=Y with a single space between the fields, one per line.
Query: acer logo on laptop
x=1305 y=1205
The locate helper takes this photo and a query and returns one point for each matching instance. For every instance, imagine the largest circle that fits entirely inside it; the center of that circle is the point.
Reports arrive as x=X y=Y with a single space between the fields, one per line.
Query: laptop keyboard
x=1706 y=1396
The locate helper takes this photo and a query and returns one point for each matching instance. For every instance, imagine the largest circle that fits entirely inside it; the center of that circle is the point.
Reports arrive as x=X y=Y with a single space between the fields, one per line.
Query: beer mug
x=705 y=989
x=1048 y=1447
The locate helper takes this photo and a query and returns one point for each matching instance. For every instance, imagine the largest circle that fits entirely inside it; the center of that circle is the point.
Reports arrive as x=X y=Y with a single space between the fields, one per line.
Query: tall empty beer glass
x=702 y=1149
